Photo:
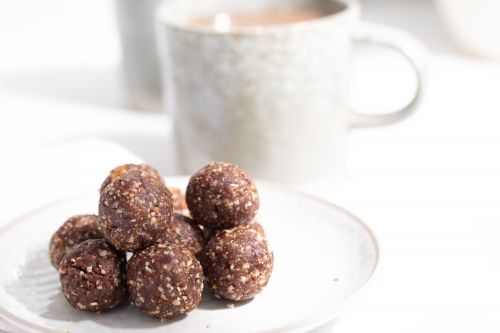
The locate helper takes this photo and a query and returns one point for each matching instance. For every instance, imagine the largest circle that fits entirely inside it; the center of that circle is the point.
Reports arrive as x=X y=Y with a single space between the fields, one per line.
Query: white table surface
x=429 y=186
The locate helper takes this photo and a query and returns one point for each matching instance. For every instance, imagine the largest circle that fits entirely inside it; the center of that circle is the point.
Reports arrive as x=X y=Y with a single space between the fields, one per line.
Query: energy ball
x=255 y=225
x=222 y=196
x=184 y=232
x=164 y=280
x=134 y=211
x=75 y=230
x=208 y=233
x=93 y=276
x=120 y=170
x=180 y=205
x=237 y=263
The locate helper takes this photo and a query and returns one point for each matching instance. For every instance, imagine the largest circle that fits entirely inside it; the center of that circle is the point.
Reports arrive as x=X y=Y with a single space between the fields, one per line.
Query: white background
x=429 y=186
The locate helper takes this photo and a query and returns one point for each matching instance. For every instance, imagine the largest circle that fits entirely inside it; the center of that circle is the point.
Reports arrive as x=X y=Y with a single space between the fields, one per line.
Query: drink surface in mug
x=220 y=21
x=269 y=89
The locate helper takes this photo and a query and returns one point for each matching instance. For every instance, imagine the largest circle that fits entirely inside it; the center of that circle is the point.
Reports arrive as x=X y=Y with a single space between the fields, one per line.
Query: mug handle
x=408 y=46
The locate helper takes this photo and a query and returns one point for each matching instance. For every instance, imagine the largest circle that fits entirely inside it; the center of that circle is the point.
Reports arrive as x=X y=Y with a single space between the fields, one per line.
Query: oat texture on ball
x=255 y=225
x=75 y=230
x=120 y=170
x=222 y=196
x=134 y=211
x=164 y=280
x=184 y=232
x=237 y=263
x=208 y=233
x=180 y=206
x=93 y=276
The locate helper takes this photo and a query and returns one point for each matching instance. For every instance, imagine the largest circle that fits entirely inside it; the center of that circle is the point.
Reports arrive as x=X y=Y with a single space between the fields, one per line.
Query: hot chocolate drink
x=226 y=21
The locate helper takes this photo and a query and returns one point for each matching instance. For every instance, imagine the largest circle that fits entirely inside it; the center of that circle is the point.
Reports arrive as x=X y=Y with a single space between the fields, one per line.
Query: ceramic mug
x=271 y=99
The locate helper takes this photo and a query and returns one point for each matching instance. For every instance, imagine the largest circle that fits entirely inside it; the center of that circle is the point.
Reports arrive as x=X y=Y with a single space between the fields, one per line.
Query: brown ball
x=180 y=205
x=93 y=276
x=237 y=263
x=222 y=196
x=208 y=233
x=120 y=170
x=184 y=232
x=164 y=280
x=134 y=211
x=75 y=230
x=255 y=225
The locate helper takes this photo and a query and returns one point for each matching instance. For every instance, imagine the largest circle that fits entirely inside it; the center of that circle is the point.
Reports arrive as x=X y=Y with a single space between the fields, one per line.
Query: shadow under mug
x=271 y=99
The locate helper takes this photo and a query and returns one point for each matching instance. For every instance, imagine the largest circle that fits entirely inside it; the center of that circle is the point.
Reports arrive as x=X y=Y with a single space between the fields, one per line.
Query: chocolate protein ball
x=120 y=170
x=75 y=230
x=164 y=280
x=184 y=232
x=134 y=211
x=237 y=263
x=179 y=200
x=222 y=196
x=93 y=276
x=255 y=225
x=208 y=233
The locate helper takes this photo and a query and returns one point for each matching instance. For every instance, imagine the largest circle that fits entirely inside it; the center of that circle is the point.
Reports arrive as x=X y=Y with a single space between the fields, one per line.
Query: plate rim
x=320 y=318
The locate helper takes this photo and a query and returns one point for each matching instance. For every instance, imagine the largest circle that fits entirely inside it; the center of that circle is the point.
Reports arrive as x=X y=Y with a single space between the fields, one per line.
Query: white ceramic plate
x=324 y=258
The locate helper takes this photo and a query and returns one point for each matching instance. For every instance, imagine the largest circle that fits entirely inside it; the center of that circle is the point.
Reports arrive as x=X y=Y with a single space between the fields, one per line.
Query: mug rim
x=352 y=7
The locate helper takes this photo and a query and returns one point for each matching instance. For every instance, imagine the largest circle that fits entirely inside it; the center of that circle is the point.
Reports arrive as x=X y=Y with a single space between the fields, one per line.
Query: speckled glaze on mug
x=271 y=99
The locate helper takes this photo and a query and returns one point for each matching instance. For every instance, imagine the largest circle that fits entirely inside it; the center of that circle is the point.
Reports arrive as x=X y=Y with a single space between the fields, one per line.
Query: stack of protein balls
x=219 y=242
